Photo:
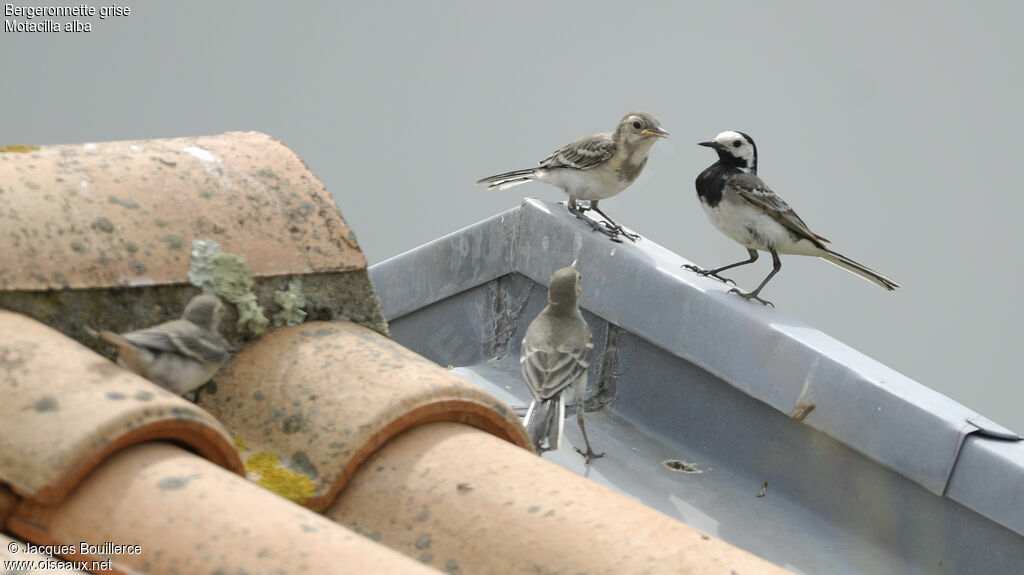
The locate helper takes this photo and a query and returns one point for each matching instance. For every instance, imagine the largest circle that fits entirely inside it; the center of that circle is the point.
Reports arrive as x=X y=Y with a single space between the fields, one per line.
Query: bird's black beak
x=708 y=144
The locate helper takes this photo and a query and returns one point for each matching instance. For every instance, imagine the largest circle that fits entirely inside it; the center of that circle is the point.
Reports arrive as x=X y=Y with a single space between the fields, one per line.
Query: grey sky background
x=894 y=129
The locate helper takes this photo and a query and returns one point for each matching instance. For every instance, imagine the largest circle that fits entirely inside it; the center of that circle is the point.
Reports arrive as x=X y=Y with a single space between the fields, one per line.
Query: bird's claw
x=612 y=232
x=629 y=235
x=708 y=273
x=619 y=230
x=605 y=226
x=750 y=296
x=588 y=454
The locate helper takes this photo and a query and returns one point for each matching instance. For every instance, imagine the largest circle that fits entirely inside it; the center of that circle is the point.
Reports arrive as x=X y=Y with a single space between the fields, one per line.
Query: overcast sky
x=892 y=129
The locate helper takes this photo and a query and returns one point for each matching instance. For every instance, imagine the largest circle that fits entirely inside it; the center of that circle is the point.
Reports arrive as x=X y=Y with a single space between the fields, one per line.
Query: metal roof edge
x=987 y=479
x=779 y=360
x=446 y=266
x=797 y=369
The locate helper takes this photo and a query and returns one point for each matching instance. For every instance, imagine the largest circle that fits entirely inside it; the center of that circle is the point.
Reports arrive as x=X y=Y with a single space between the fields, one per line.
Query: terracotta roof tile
x=310 y=403
x=187 y=515
x=125 y=213
x=66 y=408
x=454 y=497
x=102 y=235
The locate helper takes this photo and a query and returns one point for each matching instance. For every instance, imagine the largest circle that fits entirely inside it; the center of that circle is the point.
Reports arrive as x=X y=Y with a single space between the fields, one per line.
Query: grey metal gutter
x=902 y=425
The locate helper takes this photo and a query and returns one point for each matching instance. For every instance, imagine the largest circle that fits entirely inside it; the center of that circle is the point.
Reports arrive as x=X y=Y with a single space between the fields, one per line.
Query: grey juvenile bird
x=179 y=355
x=555 y=355
x=594 y=168
x=745 y=209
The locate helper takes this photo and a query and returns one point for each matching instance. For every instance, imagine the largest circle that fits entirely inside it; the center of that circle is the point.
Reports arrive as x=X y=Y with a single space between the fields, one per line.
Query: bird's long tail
x=859 y=269
x=543 y=422
x=108 y=337
x=508 y=179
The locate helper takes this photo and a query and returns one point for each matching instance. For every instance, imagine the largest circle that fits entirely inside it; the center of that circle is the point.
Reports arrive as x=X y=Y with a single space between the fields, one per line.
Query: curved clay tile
x=186 y=515
x=125 y=213
x=103 y=235
x=309 y=403
x=462 y=501
x=65 y=409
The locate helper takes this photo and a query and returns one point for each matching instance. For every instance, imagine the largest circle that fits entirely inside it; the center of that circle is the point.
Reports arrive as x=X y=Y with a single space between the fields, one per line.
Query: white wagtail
x=594 y=168
x=179 y=355
x=555 y=355
x=744 y=208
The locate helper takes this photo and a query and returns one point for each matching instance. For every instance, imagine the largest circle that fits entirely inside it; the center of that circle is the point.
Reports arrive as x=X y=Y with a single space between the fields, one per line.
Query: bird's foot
x=613 y=227
x=751 y=295
x=588 y=454
x=622 y=232
x=707 y=273
x=612 y=232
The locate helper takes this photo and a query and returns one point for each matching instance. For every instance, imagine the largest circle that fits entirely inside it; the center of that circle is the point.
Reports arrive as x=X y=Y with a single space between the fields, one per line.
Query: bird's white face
x=737 y=145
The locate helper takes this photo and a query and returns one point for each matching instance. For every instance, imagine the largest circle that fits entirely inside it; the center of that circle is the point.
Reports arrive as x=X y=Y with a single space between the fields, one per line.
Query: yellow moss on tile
x=18 y=149
x=240 y=443
x=288 y=484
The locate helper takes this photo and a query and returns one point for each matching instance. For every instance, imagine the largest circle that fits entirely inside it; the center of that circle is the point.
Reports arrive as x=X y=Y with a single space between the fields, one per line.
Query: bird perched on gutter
x=179 y=355
x=554 y=358
x=594 y=168
x=746 y=210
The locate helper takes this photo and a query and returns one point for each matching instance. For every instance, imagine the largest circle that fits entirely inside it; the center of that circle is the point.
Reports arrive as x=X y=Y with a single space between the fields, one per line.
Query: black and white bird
x=746 y=210
x=179 y=355
x=555 y=354
x=594 y=168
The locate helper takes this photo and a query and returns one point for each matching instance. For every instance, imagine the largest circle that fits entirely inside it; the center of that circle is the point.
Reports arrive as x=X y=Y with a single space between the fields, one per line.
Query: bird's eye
x=636 y=125
x=737 y=143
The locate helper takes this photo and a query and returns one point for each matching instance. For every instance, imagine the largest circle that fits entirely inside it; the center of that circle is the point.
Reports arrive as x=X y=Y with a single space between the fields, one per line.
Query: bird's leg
x=577 y=210
x=776 y=266
x=574 y=208
x=581 y=389
x=589 y=453
x=612 y=224
x=714 y=272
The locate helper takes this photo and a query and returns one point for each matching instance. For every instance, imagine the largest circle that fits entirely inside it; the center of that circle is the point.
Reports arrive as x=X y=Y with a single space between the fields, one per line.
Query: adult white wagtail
x=744 y=208
x=179 y=355
x=554 y=357
x=594 y=168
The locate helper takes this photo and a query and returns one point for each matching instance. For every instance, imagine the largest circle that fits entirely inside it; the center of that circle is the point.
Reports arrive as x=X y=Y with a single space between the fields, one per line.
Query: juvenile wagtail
x=179 y=355
x=554 y=357
x=594 y=168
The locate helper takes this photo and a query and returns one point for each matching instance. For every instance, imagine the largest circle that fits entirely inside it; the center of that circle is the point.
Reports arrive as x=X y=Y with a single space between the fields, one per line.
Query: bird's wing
x=582 y=154
x=183 y=337
x=752 y=189
x=548 y=370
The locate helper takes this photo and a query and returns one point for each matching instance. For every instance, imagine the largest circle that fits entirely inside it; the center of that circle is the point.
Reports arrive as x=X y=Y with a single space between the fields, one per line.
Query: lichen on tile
x=264 y=469
x=290 y=301
x=228 y=276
